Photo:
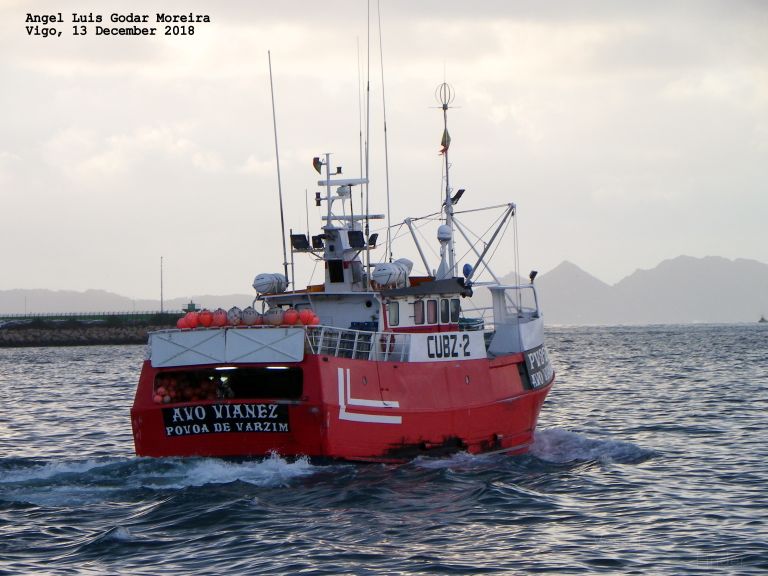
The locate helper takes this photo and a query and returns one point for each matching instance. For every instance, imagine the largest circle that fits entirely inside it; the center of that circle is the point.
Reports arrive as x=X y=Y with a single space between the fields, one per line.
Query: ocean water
x=651 y=457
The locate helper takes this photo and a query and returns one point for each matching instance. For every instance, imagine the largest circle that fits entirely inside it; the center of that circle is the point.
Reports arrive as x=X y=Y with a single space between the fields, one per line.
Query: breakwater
x=75 y=336
x=82 y=330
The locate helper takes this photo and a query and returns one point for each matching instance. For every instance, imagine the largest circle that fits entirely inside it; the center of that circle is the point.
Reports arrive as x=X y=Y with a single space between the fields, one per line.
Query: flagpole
x=445 y=96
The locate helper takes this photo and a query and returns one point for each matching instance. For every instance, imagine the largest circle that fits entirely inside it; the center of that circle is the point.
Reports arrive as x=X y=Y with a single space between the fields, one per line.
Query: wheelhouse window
x=445 y=312
x=455 y=310
x=393 y=313
x=431 y=311
x=418 y=312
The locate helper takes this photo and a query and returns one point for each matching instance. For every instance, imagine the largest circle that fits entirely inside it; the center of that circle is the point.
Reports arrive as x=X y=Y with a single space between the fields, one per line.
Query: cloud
x=626 y=132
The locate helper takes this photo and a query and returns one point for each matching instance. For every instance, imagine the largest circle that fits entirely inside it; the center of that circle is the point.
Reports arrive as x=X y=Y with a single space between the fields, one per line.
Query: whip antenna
x=367 y=141
x=277 y=159
x=386 y=147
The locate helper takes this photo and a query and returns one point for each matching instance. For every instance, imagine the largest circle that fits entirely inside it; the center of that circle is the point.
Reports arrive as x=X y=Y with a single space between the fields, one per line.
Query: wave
x=92 y=480
x=271 y=471
x=560 y=446
x=459 y=460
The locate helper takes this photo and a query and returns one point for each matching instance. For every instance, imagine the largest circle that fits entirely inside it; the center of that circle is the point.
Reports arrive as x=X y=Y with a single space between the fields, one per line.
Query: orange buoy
x=290 y=317
x=181 y=323
x=219 y=317
x=158 y=399
x=205 y=317
x=305 y=316
x=192 y=319
x=315 y=320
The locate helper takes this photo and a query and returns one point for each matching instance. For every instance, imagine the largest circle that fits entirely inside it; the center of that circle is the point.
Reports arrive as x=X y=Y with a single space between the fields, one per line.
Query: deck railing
x=358 y=344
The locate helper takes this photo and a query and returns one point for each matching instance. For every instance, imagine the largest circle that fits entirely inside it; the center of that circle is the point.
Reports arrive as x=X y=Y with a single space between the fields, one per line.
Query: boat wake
x=97 y=480
x=560 y=446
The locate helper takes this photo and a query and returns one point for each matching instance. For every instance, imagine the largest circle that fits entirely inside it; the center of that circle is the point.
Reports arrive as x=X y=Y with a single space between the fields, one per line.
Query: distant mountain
x=685 y=289
x=568 y=295
x=677 y=291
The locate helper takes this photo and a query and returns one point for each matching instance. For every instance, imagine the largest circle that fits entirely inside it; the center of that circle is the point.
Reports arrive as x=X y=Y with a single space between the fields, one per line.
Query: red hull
x=352 y=409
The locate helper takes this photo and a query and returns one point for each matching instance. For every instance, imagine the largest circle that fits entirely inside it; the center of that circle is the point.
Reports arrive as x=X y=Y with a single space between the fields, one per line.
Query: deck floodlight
x=317 y=164
x=532 y=275
x=356 y=239
x=299 y=242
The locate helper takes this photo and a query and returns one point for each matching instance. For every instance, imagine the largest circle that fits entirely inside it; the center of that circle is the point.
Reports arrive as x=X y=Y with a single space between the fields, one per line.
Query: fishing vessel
x=375 y=363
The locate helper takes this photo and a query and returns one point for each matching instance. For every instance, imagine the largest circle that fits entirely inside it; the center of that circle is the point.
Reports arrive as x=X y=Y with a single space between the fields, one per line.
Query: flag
x=445 y=142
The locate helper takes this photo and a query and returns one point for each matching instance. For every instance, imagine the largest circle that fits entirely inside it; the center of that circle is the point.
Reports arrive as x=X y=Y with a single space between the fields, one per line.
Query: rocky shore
x=74 y=335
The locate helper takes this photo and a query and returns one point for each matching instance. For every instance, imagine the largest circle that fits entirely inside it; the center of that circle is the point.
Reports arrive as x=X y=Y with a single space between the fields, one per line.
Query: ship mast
x=445 y=95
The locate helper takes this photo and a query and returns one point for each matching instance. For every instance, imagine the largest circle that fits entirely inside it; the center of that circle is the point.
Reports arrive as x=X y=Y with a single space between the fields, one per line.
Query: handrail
x=358 y=344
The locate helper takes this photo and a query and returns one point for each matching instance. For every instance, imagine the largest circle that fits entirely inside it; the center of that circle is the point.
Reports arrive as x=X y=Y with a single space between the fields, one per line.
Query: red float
x=305 y=316
x=205 y=317
x=192 y=319
x=290 y=317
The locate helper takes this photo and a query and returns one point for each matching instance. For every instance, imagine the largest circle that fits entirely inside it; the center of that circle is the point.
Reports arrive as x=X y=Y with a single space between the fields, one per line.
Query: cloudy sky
x=626 y=132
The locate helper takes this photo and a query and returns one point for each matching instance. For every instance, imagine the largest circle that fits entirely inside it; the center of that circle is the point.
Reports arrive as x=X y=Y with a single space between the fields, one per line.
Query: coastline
x=74 y=335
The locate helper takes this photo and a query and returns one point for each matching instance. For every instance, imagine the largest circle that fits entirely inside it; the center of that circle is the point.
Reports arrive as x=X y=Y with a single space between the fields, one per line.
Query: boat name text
x=217 y=418
x=445 y=346
x=540 y=370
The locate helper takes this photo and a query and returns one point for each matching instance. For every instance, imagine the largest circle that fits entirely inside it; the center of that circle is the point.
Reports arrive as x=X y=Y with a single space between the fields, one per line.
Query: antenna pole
x=277 y=159
x=386 y=147
x=445 y=96
x=367 y=140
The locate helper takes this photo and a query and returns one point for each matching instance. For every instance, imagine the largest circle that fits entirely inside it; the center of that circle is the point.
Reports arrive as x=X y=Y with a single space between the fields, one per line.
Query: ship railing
x=514 y=304
x=517 y=322
x=358 y=344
